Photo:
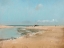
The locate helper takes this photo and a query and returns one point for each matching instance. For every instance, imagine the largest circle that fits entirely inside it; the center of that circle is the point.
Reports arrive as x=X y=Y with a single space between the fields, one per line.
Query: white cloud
x=39 y=6
x=43 y=21
x=53 y=20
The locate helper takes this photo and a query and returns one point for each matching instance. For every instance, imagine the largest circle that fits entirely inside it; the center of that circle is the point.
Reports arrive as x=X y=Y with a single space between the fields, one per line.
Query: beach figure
x=36 y=25
x=55 y=25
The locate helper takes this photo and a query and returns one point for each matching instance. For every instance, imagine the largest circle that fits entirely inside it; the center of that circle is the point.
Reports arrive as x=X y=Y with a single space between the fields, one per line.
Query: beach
x=4 y=26
x=47 y=37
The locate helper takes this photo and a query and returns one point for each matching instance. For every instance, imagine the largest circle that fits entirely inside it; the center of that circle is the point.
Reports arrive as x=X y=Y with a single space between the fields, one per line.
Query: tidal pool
x=8 y=33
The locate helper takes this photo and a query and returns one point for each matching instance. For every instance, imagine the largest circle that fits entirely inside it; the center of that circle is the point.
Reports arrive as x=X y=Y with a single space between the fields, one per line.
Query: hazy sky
x=31 y=11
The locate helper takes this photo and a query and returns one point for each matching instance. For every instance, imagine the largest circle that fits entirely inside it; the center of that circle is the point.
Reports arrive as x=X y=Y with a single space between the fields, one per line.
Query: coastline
x=51 y=37
x=4 y=26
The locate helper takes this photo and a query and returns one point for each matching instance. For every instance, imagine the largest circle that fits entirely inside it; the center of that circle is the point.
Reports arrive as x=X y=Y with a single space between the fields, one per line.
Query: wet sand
x=50 y=37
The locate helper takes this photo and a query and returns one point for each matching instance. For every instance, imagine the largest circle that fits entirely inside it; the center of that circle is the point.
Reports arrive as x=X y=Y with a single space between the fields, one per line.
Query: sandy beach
x=48 y=37
x=4 y=26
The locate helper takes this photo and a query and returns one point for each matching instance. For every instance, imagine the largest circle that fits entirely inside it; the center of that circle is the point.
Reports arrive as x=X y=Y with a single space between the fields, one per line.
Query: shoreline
x=52 y=37
x=4 y=26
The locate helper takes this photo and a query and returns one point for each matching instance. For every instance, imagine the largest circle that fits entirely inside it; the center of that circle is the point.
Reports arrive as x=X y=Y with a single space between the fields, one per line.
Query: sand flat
x=53 y=37
x=4 y=26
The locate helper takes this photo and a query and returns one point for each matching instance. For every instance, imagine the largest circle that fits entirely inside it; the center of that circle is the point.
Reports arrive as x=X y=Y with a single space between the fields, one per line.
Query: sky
x=29 y=12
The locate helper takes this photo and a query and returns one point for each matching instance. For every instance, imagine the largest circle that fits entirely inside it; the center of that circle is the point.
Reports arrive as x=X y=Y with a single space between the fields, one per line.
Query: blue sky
x=18 y=12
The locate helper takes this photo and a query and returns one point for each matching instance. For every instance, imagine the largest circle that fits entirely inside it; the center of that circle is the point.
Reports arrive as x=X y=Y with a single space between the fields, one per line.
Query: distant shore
x=4 y=26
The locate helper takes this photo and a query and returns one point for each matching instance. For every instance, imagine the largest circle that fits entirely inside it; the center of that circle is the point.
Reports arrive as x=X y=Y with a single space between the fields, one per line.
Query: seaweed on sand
x=34 y=30
x=26 y=31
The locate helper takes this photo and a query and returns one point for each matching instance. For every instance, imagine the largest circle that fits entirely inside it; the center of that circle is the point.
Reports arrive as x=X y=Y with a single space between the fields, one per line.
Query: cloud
x=43 y=21
x=39 y=6
x=53 y=20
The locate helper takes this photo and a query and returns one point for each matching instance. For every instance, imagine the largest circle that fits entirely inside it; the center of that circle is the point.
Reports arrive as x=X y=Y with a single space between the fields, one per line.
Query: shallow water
x=8 y=33
x=17 y=31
